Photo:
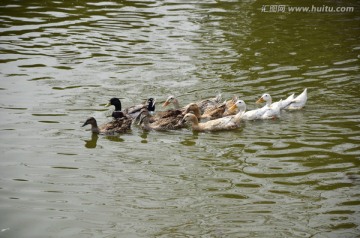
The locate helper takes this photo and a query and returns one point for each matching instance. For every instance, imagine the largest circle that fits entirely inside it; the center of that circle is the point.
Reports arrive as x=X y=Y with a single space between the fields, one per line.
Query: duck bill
x=233 y=108
x=260 y=100
x=166 y=103
x=108 y=104
x=85 y=123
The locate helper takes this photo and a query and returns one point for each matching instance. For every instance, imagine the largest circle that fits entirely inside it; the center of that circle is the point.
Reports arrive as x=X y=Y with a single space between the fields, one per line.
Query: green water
x=60 y=62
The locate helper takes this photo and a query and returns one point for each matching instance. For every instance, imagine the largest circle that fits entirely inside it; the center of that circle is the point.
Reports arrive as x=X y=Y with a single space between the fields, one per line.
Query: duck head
x=265 y=98
x=189 y=118
x=171 y=99
x=115 y=102
x=151 y=104
x=193 y=107
x=90 y=121
x=239 y=105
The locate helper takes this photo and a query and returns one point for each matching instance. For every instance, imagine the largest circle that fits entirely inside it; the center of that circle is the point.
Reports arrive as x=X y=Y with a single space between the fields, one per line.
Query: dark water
x=62 y=61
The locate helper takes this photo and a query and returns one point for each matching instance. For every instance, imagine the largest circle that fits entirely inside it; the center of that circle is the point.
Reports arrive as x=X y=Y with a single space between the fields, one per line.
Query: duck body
x=169 y=121
x=203 y=105
x=225 y=123
x=272 y=112
x=116 y=126
x=209 y=104
x=268 y=111
x=284 y=103
x=215 y=112
x=134 y=111
x=298 y=102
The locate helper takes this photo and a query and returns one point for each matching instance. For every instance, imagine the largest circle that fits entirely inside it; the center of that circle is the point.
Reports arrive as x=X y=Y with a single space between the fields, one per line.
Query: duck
x=169 y=121
x=215 y=111
x=298 y=102
x=269 y=111
x=192 y=107
x=203 y=104
x=240 y=107
x=172 y=99
x=209 y=104
x=210 y=113
x=229 y=110
x=116 y=126
x=224 y=123
x=256 y=114
x=166 y=120
x=132 y=111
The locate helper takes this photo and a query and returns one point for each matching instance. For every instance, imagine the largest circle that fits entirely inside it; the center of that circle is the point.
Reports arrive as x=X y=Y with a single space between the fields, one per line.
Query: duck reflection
x=190 y=140
x=90 y=144
x=144 y=135
x=115 y=138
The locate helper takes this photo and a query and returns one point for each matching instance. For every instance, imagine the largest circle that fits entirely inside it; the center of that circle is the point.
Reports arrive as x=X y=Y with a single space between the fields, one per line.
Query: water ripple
x=62 y=61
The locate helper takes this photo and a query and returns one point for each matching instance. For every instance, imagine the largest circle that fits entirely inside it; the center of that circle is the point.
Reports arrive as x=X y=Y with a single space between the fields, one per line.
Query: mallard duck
x=132 y=111
x=116 y=126
x=270 y=112
x=225 y=123
x=298 y=102
x=203 y=104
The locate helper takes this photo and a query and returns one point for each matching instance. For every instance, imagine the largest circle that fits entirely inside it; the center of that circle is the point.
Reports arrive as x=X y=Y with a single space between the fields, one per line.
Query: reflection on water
x=90 y=144
x=60 y=62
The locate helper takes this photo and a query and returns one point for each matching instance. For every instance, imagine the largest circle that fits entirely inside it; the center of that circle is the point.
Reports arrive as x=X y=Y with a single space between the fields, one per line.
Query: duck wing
x=208 y=103
x=214 y=112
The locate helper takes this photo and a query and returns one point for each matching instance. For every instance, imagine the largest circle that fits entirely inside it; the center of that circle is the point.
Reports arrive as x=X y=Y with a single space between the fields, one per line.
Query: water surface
x=61 y=62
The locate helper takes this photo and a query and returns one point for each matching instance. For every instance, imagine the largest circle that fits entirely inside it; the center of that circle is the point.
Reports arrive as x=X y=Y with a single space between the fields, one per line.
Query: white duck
x=270 y=111
x=262 y=113
x=298 y=102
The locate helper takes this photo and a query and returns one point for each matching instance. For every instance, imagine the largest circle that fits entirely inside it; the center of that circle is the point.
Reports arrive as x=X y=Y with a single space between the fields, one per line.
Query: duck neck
x=176 y=104
x=151 y=107
x=195 y=124
x=196 y=111
x=95 y=128
x=240 y=113
x=268 y=102
x=145 y=123
x=117 y=106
